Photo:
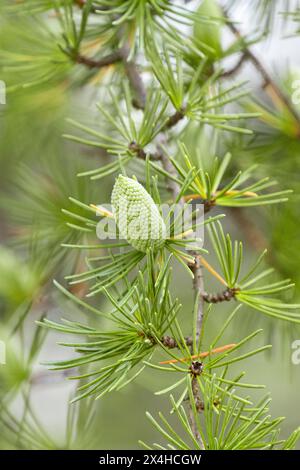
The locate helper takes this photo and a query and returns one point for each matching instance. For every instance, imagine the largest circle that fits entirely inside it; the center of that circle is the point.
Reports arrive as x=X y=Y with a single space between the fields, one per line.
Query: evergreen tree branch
x=135 y=80
x=224 y=296
x=175 y=118
x=140 y=152
x=269 y=85
x=196 y=268
x=251 y=231
x=172 y=343
x=173 y=187
x=105 y=61
x=198 y=283
x=236 y=68
x=136 y=281
x=131 y=70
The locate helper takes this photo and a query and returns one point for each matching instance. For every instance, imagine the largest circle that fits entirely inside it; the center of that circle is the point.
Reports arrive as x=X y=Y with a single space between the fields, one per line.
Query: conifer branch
x=172 y=186
x=269 y=84
x=105 y=61
x=224 y=296
x=175 y=118
x=132 y=273
x=198 y=283
x=135 y=80
x=236 y=68
x=196 y=268
x=172 y=343
x=131 y=70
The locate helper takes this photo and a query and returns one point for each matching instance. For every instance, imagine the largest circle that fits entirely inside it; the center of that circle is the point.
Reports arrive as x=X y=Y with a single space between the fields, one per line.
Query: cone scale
x=137 y=215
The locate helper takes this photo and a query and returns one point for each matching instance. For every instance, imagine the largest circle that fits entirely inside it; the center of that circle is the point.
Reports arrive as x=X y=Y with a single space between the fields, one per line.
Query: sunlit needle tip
x=201 y=355
x=102 y=211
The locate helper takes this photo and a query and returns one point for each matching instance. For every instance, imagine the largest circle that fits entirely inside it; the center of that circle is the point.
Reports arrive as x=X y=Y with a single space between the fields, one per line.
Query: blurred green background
x=39 y=172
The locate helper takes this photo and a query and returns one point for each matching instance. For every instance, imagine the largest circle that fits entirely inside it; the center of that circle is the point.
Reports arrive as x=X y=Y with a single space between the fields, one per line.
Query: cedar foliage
x=151 y=104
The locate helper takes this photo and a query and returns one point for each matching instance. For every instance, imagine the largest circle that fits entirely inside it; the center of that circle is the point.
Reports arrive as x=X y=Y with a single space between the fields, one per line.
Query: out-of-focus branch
x=171 y=343
x=172 y=186
x=98 y=64
x=50 y=377
x=236 y=68
x=174 y=119
x=94 y=8
x=268 y=83
x=135 y=79
x=253 y=234
x=131 y=70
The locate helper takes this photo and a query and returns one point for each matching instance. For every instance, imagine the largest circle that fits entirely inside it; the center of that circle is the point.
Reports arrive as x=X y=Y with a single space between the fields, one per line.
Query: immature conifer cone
x=209 y=34
x=137 y=216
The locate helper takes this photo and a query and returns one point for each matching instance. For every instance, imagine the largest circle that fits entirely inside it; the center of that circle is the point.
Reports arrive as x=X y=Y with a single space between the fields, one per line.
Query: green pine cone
x=137 y=216
x=209 y=34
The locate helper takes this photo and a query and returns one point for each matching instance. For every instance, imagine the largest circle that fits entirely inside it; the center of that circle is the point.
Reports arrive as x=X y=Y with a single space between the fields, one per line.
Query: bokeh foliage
x=58 y=59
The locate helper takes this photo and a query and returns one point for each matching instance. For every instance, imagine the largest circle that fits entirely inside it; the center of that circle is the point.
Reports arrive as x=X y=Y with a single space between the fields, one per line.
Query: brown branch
x=268 y=83
x=94 y=8
x=130 y=67
x=135 y=148
x=224 y=296
x=50 y=377
x=197 y=199
x=136 y=83
x=171 y=343
x=252 y=232
x=103 y=62
x=198 y=284
x=80 y=3
x=172 y=186
x=196 y=369
x=236 y=68
x=159 y=155
x=175 y=118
